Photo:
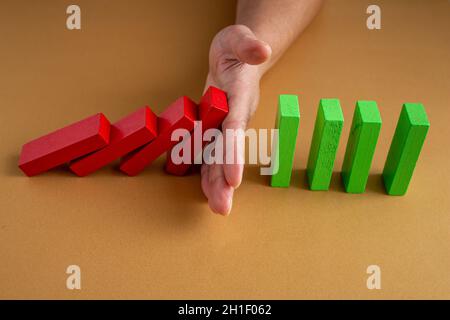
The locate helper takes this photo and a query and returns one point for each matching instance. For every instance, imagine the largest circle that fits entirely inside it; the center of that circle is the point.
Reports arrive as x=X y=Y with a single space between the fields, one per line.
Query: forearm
x=278 y=23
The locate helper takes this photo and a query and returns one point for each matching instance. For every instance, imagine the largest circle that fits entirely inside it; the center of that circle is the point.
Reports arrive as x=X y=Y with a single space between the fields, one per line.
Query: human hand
x=235 y=60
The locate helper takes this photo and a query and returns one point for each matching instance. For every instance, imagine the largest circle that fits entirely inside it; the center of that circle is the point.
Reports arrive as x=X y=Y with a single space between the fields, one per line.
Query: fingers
x=245 y=45
x=216 y=189
x=234 y=150
x=242 y=105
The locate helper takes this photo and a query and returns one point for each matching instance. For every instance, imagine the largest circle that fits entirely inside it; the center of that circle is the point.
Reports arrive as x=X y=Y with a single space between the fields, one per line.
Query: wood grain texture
x=181 y=114
x=287 y=123
x=127 y=134
x=409 y=137
x=361 y=144
x=65 y=144
x=324 y=144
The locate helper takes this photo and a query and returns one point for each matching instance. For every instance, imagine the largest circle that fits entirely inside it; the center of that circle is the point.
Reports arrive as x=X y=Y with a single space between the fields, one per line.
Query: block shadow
x=191 y=196
x=299 y=180
x=375 y=184
x=11 y=166
x=12 y=169
x=336 y=184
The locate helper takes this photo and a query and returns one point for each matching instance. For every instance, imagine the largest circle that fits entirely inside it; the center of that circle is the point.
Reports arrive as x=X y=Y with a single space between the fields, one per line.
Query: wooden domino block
x=179 y=115
x=64 y=145
x=213 y=109
x=287 y=123
x=325 y=141
x=410 y=134
x=361 y=145
x=126 y=135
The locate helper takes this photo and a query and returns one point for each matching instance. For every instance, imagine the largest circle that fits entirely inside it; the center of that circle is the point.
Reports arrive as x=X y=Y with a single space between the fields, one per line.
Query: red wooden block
x=64 y=145
x=213 y=109
x=127 y=134
x=180 y=114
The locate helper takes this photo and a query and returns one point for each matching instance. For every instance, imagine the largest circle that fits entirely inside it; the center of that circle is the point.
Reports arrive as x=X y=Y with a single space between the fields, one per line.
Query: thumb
x=246 y=46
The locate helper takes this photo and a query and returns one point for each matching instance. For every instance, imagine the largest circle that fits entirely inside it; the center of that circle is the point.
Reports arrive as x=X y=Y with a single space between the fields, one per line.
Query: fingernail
x=230 y=205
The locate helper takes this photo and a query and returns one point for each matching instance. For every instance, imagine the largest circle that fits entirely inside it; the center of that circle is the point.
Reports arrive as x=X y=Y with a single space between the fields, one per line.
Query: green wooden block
x=327 y=131
x=412 y=128
x=366 y=125
x=288 y=119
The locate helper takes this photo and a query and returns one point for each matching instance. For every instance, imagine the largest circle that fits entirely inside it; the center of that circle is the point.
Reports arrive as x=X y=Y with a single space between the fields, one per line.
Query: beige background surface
x=153 y=236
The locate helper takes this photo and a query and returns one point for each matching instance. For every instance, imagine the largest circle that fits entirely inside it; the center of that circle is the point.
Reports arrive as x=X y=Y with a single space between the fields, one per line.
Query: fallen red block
x=128 y=134
x=180 y=114
x=213 y=109
x=64 y=145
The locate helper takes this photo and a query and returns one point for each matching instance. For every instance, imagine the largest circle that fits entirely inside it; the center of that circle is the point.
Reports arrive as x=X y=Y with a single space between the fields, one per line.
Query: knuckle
x=238 y=123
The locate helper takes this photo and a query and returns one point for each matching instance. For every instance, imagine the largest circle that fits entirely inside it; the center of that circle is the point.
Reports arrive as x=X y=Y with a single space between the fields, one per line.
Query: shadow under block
x=213 y=109
x=362 y=141
x=64 y=145
x=324 y=144
x=409 y=136
x=287 y=123
x=126 y=135
x=181 y=114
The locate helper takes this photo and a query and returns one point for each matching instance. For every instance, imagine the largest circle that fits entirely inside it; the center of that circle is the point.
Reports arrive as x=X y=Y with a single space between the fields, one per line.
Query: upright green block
x=288 y=120
x=412 y=128
x=327 y=131
x=366 y=125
